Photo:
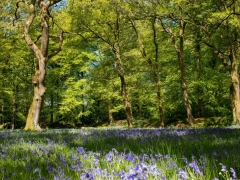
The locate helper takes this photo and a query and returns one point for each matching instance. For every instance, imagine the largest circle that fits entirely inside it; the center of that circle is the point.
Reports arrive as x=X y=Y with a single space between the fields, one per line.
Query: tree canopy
x=106 y=60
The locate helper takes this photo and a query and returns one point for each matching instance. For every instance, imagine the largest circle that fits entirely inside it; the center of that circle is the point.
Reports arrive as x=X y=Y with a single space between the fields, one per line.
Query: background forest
x=157 y=60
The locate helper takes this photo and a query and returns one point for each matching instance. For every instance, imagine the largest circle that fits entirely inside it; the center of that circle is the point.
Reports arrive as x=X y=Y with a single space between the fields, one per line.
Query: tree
x=169 y=23
x=41 y=53
x=107 y=22
x=218 y=23
x=151 y=57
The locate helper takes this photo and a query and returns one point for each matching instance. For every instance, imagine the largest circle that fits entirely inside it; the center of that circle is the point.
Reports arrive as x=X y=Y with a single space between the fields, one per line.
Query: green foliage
x=82 y=81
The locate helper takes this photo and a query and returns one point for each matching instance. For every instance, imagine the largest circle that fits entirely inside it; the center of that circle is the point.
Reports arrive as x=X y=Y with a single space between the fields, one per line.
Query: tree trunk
x=14 y=106
x=183 y=76
x=199 y=75
x=159 y=101
x=180 y=56
x=110 y=115
x=155 y=70
x=2 y=111
x=32 y=122
x=153 y=65
x=52 y=109
x=127 y=103
x=235 y=97
x=139 y=113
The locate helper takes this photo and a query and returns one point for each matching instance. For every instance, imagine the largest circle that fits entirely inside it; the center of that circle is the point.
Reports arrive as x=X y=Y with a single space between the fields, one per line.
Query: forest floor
x=177 y=123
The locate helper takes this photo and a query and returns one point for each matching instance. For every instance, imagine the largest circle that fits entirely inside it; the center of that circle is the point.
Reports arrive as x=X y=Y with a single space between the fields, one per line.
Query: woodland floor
x=178 y=123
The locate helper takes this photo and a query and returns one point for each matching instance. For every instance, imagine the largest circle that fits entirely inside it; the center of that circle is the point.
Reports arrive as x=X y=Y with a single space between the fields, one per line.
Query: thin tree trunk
x=139 y=107
x=159 y=101
x=155 y=70
x=110 y=115
x=2 y=111
x=127 y=103
x=14 y=106
x=180 y=55
x=52 y=109
x=199 y=73
x=183 y=76
x=154 y=67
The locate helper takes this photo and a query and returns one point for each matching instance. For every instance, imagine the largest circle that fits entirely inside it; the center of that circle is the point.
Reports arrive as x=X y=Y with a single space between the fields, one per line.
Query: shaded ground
x=144 y=123
x=180 y=123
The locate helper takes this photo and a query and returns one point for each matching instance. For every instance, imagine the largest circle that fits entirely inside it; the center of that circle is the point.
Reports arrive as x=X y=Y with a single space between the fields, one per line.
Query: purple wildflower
x=195 y=167
x=36 y=170
x=96 y=162
x=62 y=160
x=233 y=173
x=87 y=175
x=185 y=160
x=74 y=167
x=80 y=150
x=130 y=157
x=109 y=156
x=158 y=156
x=182 y=174
x=224 y=168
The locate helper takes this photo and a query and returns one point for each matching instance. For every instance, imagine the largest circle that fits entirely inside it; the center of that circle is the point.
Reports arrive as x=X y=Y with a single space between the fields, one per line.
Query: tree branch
x=37 y=39
x=223 y=60
x=16 y=10
x=59 y=45
x=52 y=2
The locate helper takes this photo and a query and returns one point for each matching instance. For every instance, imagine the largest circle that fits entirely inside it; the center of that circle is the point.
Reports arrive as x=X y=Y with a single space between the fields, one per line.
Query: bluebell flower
x=159 y=156
x=87 y=175
x=80 y=150
x=36 y=170
x=62 y=160
x=96 y=162
x=233 y=173
x=130 y=157
x=73 y=167
x=109 y=156
x=185 y=160
x=182 y=174
x=195 y=168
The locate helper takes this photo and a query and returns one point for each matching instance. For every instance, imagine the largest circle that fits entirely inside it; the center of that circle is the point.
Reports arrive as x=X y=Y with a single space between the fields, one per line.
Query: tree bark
x=124 y=90
x=183 y=76
x=180 y=54
x=155 y=70
x=110 y=115
x=235 y=96
x=32 y=122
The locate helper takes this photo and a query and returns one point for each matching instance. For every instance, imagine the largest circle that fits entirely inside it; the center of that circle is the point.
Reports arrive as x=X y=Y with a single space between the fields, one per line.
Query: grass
x=119 y=153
